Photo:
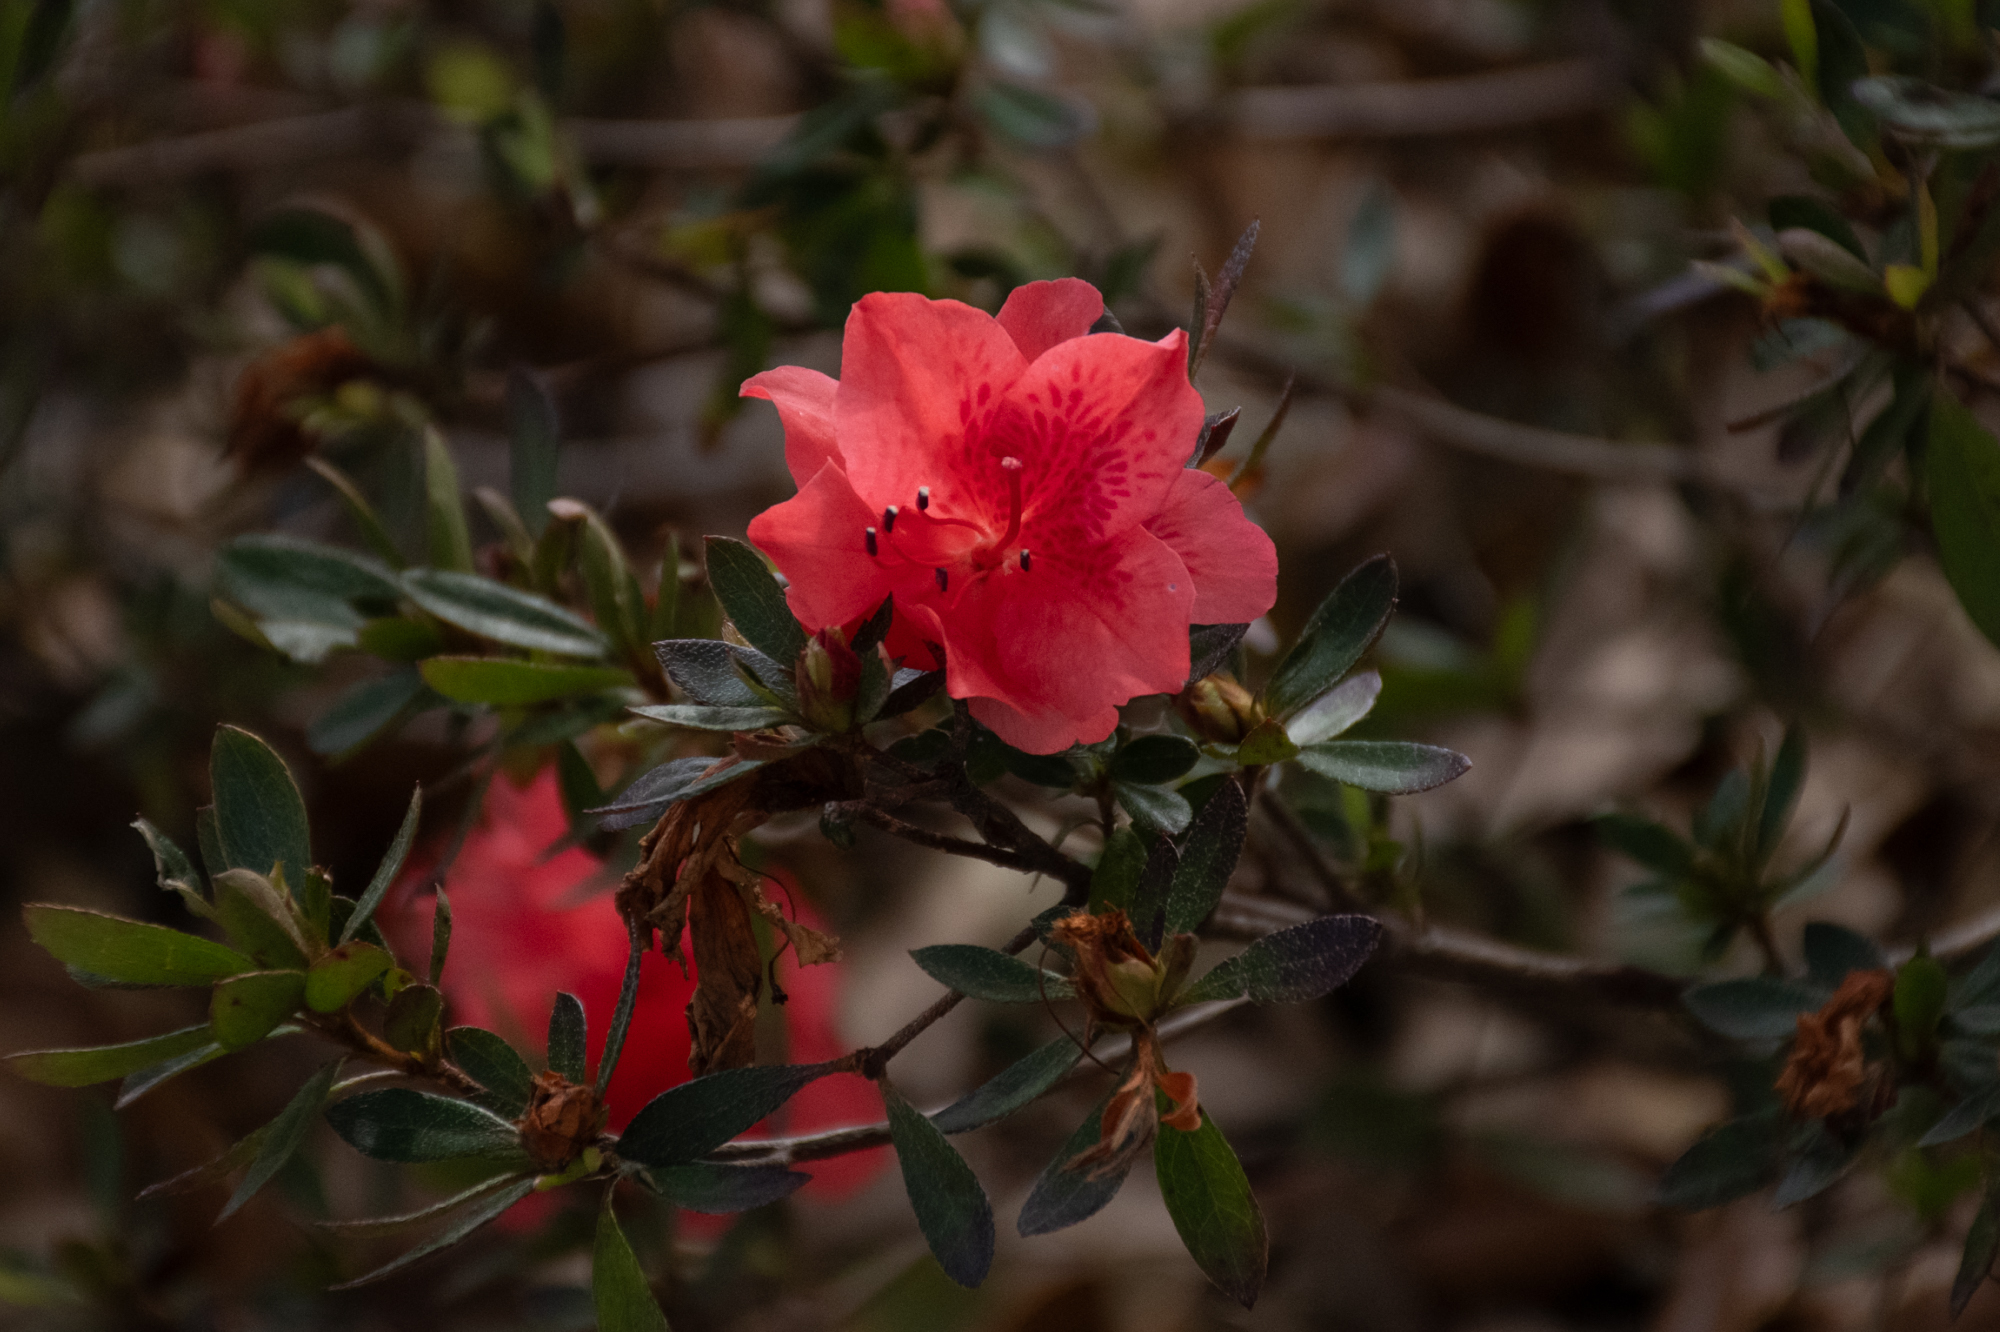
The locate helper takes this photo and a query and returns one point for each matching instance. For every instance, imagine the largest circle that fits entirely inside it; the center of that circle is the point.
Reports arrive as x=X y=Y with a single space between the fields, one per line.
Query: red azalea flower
x=1021 y=489
x=526 y=925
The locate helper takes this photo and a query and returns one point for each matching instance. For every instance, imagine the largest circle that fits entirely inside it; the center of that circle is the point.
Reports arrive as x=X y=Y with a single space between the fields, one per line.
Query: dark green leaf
x=1011 y=1088
x=505 y=682
x=1210 y=647
x=1795 y=210
x=386 y=872
x=618 y=1287
x=1885 y=438
x=1032 y=118
x=501 y=613
x=702 y=717
x=468 y=1221
x=129 y=952
x=411 y=1022
x=1116 y=877
x=446 y=536
x=908 y=689
x=1062 y=1197
x=493 y=1064
x=1149 y=899
x=1921 y=985
x=1968 y=1115
x=311 y=236
x=1209 y=1198
x=282 y=1137
x=139 y=1083
x=81 y=1068
x=1981 y=985
x=1753 y=1008
x=986 y=973
x=1152 y=760
x=1832 y=951
x=696 y=1117
x=1266 y=744
x=402 y=1124
x=1963 y=459
x=40 y=41
x=1395 y=767
x=260 y=817
x=752 y=599
x=1982 y=1245
x=1656 y=846
x=1343 y=628
x=683 y=779
x=333 y=982
x=1336 y=710
x=244 y=1009
x=260 y=919
x=216 y=1170
x=288 y=578
x=1731 y=1161
x=1293 y=965
x=628 y=999
x=1208 y=857
x=1154 y=808
x=706 y=670
x=1923 y=113
x=714 y=1189
x=1816 y=1161
x=364 y=711
x=951 y=1205
x=566 y=1038
x=175 y=872
x=533 y=436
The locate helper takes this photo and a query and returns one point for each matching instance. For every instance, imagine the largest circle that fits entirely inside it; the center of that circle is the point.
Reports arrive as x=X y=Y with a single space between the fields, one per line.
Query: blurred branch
x=1474 y=104
x=869 y=1061
x=1532 y=446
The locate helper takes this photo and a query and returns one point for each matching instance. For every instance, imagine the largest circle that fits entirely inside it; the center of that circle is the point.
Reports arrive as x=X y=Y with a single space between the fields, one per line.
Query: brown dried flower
x=264 y=426
x=562 y=1119
x=1825 y=1074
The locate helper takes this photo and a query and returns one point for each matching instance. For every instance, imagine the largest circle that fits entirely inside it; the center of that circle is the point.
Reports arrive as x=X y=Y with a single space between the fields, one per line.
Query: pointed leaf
x=449 y=543
x=1116 y=877
x=951 y=1205
x=752 y=599
x=702 y=717
x=1210 y=646
x=411 y=1024
x=696 y=1117
x=1345 y=626
x=102 y=1063
x=1754 y=1008
x=566 y=1038
x=468 y=1221
x=493 y=1064
x=1964 y=464
x=260 y=919
x=628 y=999
x=1395 y=767
x=1817 y=1161
x=440 y=931
x=705 y=669
x=1293 y=965
x=129 y=952
x=1209 y=1198
x=987 y=973
x=1062 y=1197
x=1149 y=899
x=386 y=872
x=1982 y=1245
x=501 y=613
x=1011 y=1088
x=1154 y=808
x=283 y=1136
x=714 y=1189
x=1336 y=710
x=260 y=817
x=504 y=682
x=146 y=1079
x=171 y=866
x=618 y=1287
x=403 y=1124
x=1731 y=1161
x=388 y=1225
x=1971 y=1113
x=1653 y=845
x=1208 y=857
x=333 y=982
x=534 y=436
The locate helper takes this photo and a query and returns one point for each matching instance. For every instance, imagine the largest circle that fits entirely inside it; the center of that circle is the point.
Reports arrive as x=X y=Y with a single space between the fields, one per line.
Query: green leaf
x=1981 y=985
x=388 y=1225
x=386 y=872
x=402 y=1124
x=618 y=1287
x=1963 y=460
x=1209 y=1198
x=363 y=712
x=1730 y=1161
x=495 y=1065
x=706 y=669
x=1343 y=628
x=1266 y=744
x=1032 y=118
x=288 y=578
x=534 y=436
x=1208 y=857
x=1753 y=1008
x=503 y=614
x=1011 y=1088
x=1832 y=951
x=1781 y=791
x=468 y=1221
x=446 y=537
x=1149 y=898
x=1293 y=965
x=1923 y=113
x=696 y=1117
x=1062 y=1197
x=1336 y=710
x=333 y=982
x=1370 y=252
x=505 y=682
x=752 y=599
x=1152 y=760
x=129 y=952
x=411 y=1024
x=1116 y=877
x=1154 y=808
x=1656 y=846
x=1970 y=1114
x=401 y=638
x=283 y=1137
x=714 y=1189
x=628 y=999
x=1394 y=767
x=260 y=919
x=216 y=1170
x=174 y=871
x=1788 y=211
x=310 y=236
x=1982 y=1245
x=702 y=717
x=1210 y=646
x=987 y=973
x=683 y=779
x=260 y=817
x=1921 y=985
x=951 y=1205
x=138 y=1084
x=1816 y=1162
x=244 y=1009
x=566 y=1038
x=615 y=597
x=83 y=1067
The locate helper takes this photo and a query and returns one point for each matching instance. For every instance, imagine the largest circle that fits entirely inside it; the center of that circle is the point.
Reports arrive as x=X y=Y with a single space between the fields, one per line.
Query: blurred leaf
x=1063 y=1197
x=534 y=436
x=1842 y=61
x=951 y=1206
x=386 y=872
x=696 y=1117
x=986 y=973
x=1970 y=1114
x=41 y=41
x=1154 y=808
x=1293 y=965
x=83 y=1067
x=360 y=511
x=468 y=1221
x=333 y=982
x=395 y=638
x=504 y=682
x=1796 y=210
x=1116 y=877
x=1891 y=427
x=260 y=817
x=1746 y=69
x=566 y=1038
x=1011 y=1088
x=1032 y=118
x=1923 y=113
x=1209 y=1198
x=1817 y=1161
x=1982 y=1244
x=310 y=236
x=1336 y=710
x=1730 y=1161
x=501 y=613
x=403 y=1124
x=1343 y=627
x=129 y=952
x=618 y=1287
x=411 y=1022
x=492 y=1063
x=702 y=717
x=752 y=599
x=288 y=578
x=1919 y=1003
x=282 y=1137
x=1653 y=845
x=440 y=931
x=364 y=711
x=1753 y=1008
x=1370 y=252
x=1832 y=951
x=447 y=538
x=138 y=1084
x=1208 y=857
x=1964 y=473
x=1395 y=767
x=244 y=1009
x=716 y=1190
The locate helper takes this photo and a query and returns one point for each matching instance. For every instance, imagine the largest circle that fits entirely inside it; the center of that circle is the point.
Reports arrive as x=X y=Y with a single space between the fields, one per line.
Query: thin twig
x=871 y=1060
x=1478 y=103
x=956 y=846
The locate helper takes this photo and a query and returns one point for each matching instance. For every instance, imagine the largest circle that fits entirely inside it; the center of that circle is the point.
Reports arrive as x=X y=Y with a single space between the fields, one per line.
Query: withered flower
x=1132 y=1116
x=265 y=429
x=562 y=1119
x=1827 y=1069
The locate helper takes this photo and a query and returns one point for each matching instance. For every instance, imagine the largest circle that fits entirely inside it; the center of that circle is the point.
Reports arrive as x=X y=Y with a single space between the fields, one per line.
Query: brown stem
x=871 y=1060
x=348 y=1031
x=956 y=846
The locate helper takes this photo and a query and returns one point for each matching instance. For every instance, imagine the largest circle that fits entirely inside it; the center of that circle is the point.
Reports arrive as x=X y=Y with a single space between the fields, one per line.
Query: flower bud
x=1220 y=710
x=828 y=677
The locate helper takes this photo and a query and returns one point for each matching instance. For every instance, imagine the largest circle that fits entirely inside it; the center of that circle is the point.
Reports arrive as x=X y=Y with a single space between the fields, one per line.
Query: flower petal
x=919 y=379
x=1062 y=646
x=804 y=399
x=817 y=538
x=1231 y=559
x=1038 y=315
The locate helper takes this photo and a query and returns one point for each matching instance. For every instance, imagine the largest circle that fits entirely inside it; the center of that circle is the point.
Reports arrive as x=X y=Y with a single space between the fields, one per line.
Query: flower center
x=929 y=545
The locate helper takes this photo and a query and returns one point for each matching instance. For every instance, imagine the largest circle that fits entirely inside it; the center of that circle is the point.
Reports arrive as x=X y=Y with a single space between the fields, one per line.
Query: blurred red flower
x=1021 y=488
x=526 y=924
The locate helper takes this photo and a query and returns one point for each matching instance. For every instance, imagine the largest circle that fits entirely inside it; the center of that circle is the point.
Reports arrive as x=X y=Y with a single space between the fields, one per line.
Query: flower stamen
x=1024 y=559
x=943 y=580
x=889 y=518
x=869 y=534
x=923 y=498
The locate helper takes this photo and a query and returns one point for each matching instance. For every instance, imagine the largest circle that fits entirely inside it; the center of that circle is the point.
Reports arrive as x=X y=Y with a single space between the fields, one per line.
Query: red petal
x=804 y=399
x=1060 y=647
x=817 y=539
x=1232 y=561
x=1038 y=315
x=919 y=379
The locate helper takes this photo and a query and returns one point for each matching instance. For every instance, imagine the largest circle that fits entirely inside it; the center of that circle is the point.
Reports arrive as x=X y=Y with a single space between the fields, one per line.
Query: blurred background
x=1476 y=216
